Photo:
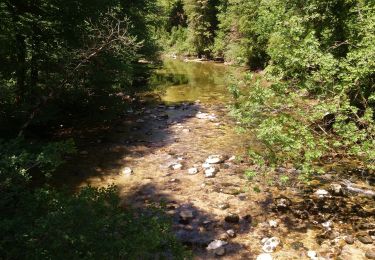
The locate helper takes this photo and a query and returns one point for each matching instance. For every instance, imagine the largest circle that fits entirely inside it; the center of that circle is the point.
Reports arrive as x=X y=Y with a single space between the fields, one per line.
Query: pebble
x=297 y=245
x=370 y=254
x=232 y=218
x=273 y=223
x=232 y=158
x=312 y=254
x=206 y=165
x=365 y=239
x=231 y=233
x=211 y=172
x=176 y=166
x=264 y=256
x=271 y=244
x=201 y=115
x=349 y=240
x=193 y=171
x=127 y=171
x=223 y=206
x=327 y=225
x=224 y=236
x=217 y=246
x=186 y=214
x=215 y=159
x=321 y=193
x=336 y=188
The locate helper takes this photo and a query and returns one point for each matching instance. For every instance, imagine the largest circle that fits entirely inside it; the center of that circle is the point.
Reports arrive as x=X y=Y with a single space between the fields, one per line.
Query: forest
x=305 y=94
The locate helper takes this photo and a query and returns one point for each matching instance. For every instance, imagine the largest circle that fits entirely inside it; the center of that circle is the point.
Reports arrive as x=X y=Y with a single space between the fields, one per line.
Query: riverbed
x=149 y=153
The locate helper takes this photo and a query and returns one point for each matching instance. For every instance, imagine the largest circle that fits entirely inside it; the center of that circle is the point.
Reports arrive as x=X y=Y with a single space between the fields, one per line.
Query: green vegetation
x=60 y=61
x=63 y=61
x=318 y=57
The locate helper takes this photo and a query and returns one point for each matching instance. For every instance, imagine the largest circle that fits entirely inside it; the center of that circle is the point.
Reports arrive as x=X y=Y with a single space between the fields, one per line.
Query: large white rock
x=214 y=159
x=271 y=244
x=210 y=172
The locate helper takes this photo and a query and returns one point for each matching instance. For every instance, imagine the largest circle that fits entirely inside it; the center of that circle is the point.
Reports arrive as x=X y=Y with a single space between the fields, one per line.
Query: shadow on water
x=194 y=227
x=145 y=130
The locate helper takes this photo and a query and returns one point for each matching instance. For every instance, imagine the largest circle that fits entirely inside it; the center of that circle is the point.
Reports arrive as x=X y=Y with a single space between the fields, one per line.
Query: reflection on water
x=179 y=81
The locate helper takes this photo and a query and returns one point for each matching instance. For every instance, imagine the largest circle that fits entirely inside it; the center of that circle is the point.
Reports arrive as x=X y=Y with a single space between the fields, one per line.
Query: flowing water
x=184 y=120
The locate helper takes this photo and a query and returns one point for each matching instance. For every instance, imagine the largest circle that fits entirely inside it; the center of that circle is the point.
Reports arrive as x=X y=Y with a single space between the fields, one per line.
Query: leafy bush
x=43 y=223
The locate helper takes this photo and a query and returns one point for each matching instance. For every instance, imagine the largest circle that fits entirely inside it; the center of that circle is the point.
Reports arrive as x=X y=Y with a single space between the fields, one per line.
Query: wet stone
x=217 y=247
x=370 y=254
x=365 y=239
x=349 y=240
x=232 y=218
x=297 y=245
x=223 y=206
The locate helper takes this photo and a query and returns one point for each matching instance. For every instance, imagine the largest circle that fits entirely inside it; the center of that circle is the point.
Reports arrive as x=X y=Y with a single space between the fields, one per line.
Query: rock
x=297 y=245
x=327 y=225
x=273 y=223
x=176 y=166
x=217 y=246
x=349 y=240
x=336 y=188
x=224 y=236
x=264 y=256
x=312 y=254
x=365 y=226
x=84 y=153
x=215 y=159
x=206 y=165
x=127 y=171
x=282 y=203
x=186 y=130
x=321 y=193
x=210 y=172
x=370 y=254
x=365 y=239
x=232 y=158
x=223 y=206
x=201 y=115
x=186 y=215
x=193 y=171
x=232 y=218
x=140 y=121
x=271 y=244
x=231 y=233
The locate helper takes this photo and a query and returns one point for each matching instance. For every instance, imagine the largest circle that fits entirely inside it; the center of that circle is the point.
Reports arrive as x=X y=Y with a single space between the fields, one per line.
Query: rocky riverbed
x=188 y=158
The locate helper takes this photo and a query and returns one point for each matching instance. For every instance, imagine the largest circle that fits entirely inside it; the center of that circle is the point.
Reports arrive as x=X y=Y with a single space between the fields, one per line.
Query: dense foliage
x=319 y=60
x=42 y=223
x=57 y=58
